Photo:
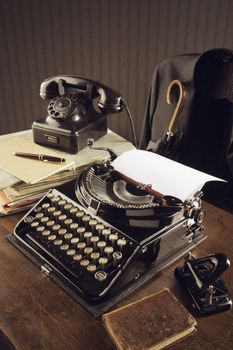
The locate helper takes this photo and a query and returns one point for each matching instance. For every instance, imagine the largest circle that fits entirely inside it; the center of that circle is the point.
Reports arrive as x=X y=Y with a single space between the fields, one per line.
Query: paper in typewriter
x=164 y=175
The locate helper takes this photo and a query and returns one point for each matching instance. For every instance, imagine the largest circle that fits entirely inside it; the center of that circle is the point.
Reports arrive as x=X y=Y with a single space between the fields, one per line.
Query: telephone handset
x=72 y=118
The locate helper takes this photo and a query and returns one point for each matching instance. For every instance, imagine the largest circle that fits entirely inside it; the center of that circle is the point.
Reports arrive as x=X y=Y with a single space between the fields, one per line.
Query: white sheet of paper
x=165 y=175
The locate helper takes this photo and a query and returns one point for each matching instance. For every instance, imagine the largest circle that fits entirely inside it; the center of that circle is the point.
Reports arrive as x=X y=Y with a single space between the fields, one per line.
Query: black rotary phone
x=72 y=116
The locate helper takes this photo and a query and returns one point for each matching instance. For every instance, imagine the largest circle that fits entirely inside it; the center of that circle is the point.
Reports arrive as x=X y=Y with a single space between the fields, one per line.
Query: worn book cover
x=151 y=323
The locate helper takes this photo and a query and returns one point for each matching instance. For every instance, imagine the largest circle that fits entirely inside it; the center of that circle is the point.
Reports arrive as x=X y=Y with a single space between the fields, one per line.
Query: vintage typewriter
x=101 y=236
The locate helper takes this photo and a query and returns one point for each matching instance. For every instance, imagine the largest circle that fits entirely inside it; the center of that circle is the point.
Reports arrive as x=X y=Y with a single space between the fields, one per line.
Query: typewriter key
x=77 y=257
x=37 y=209
x=56 y=227
x=55 y=200
x=58 y=242
x=81 y=246
x=117 y=256
x=68 y=222
x=94 y=240
x=99 y=228
x=62 y=231
x=70 y=252
x=101 y=245
x=103 y=261
x=113 y=237
x=74 y=241
x=73 y=211
x=45 y=206
x=106 y=233
x=64 y=247
x=51 y=210
x=121 y=242
x=46 y=233
x=80 y=231
x=79 y=215
x=62 y=217
x=44 y=219
x=108 y=251
x=50 y=195
x=39 y=215
x=85 y=219
x=67 y=207
x=56 y=214
x=61 y=203
x=91 y=268
x=73 y=226
x=95 y=256
x=87 y=236
x=34 y=224
x=51 y=238
x=100 y=276
x=68 y=236
x=40 y=229
x=88 y=250
x=92 y=223
x=50 y=223
x=84 y=262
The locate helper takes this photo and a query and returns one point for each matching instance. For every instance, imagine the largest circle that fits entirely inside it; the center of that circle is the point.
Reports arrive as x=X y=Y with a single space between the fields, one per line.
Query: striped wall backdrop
x=118 y=42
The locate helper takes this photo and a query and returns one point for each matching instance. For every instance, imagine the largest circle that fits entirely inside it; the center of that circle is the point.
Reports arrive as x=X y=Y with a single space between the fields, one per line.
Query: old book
x=151 y=323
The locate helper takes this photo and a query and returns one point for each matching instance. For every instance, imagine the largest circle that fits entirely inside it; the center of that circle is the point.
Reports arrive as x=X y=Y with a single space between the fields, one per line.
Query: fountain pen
x=42 y=157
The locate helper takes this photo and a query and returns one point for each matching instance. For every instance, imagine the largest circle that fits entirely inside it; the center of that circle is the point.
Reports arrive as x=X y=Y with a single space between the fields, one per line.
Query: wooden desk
x=38 y=314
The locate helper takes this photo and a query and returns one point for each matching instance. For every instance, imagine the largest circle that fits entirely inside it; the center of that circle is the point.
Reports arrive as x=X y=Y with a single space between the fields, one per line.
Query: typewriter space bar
x=34 y=243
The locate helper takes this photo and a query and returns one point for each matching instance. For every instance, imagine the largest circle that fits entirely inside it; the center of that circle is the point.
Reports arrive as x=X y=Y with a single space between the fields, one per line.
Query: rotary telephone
x=72 y=117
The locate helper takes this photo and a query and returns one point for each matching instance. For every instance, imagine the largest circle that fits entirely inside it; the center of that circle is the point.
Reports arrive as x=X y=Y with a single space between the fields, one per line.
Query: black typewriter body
x=101 y=238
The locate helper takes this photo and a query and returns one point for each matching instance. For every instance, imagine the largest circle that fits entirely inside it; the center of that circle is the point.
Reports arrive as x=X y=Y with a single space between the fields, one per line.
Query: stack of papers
x=24 y=181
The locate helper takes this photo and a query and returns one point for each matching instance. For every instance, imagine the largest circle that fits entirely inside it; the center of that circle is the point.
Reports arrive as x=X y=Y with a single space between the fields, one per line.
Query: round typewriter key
x=91 y=268
x=121 y=242
x=86 y=218
x=73 y=211
x=45 y=206
x=62 y=231
x=74 y=241
x=67 y=207
x=73 y=226
x=77 y=257
x=93 y=223
x=51 y=238
x=106 y=233
x=95 y=256
x=80 y=231
x=79 y=215
x=87 y=236
x=68 y=222
x=103 y=261
x=62 y=217
x=61 y=203
x=40 y=229
x=117 y=256
x=39 y=215
x=44 y=219
x=55 y=200
x=64 y=247
x=88 y=250
x=101 y=245
x=56 y=227
x=99 y=228
x=37 y=209
x=84 y=262
x=50 y=223
x=94 y=240
x=51 y=210
x=46 y=233
x=81 y=245
x=108 y=251
x=56 y=214
x=68 y=236
x=113 y=237
x=34 y=224
x=58 y=242
x=70 y=252
x=100 y=276
x=50 y=195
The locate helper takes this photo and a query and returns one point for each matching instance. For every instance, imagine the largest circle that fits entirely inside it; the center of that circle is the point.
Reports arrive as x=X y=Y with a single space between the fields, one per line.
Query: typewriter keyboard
x=89 y=253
